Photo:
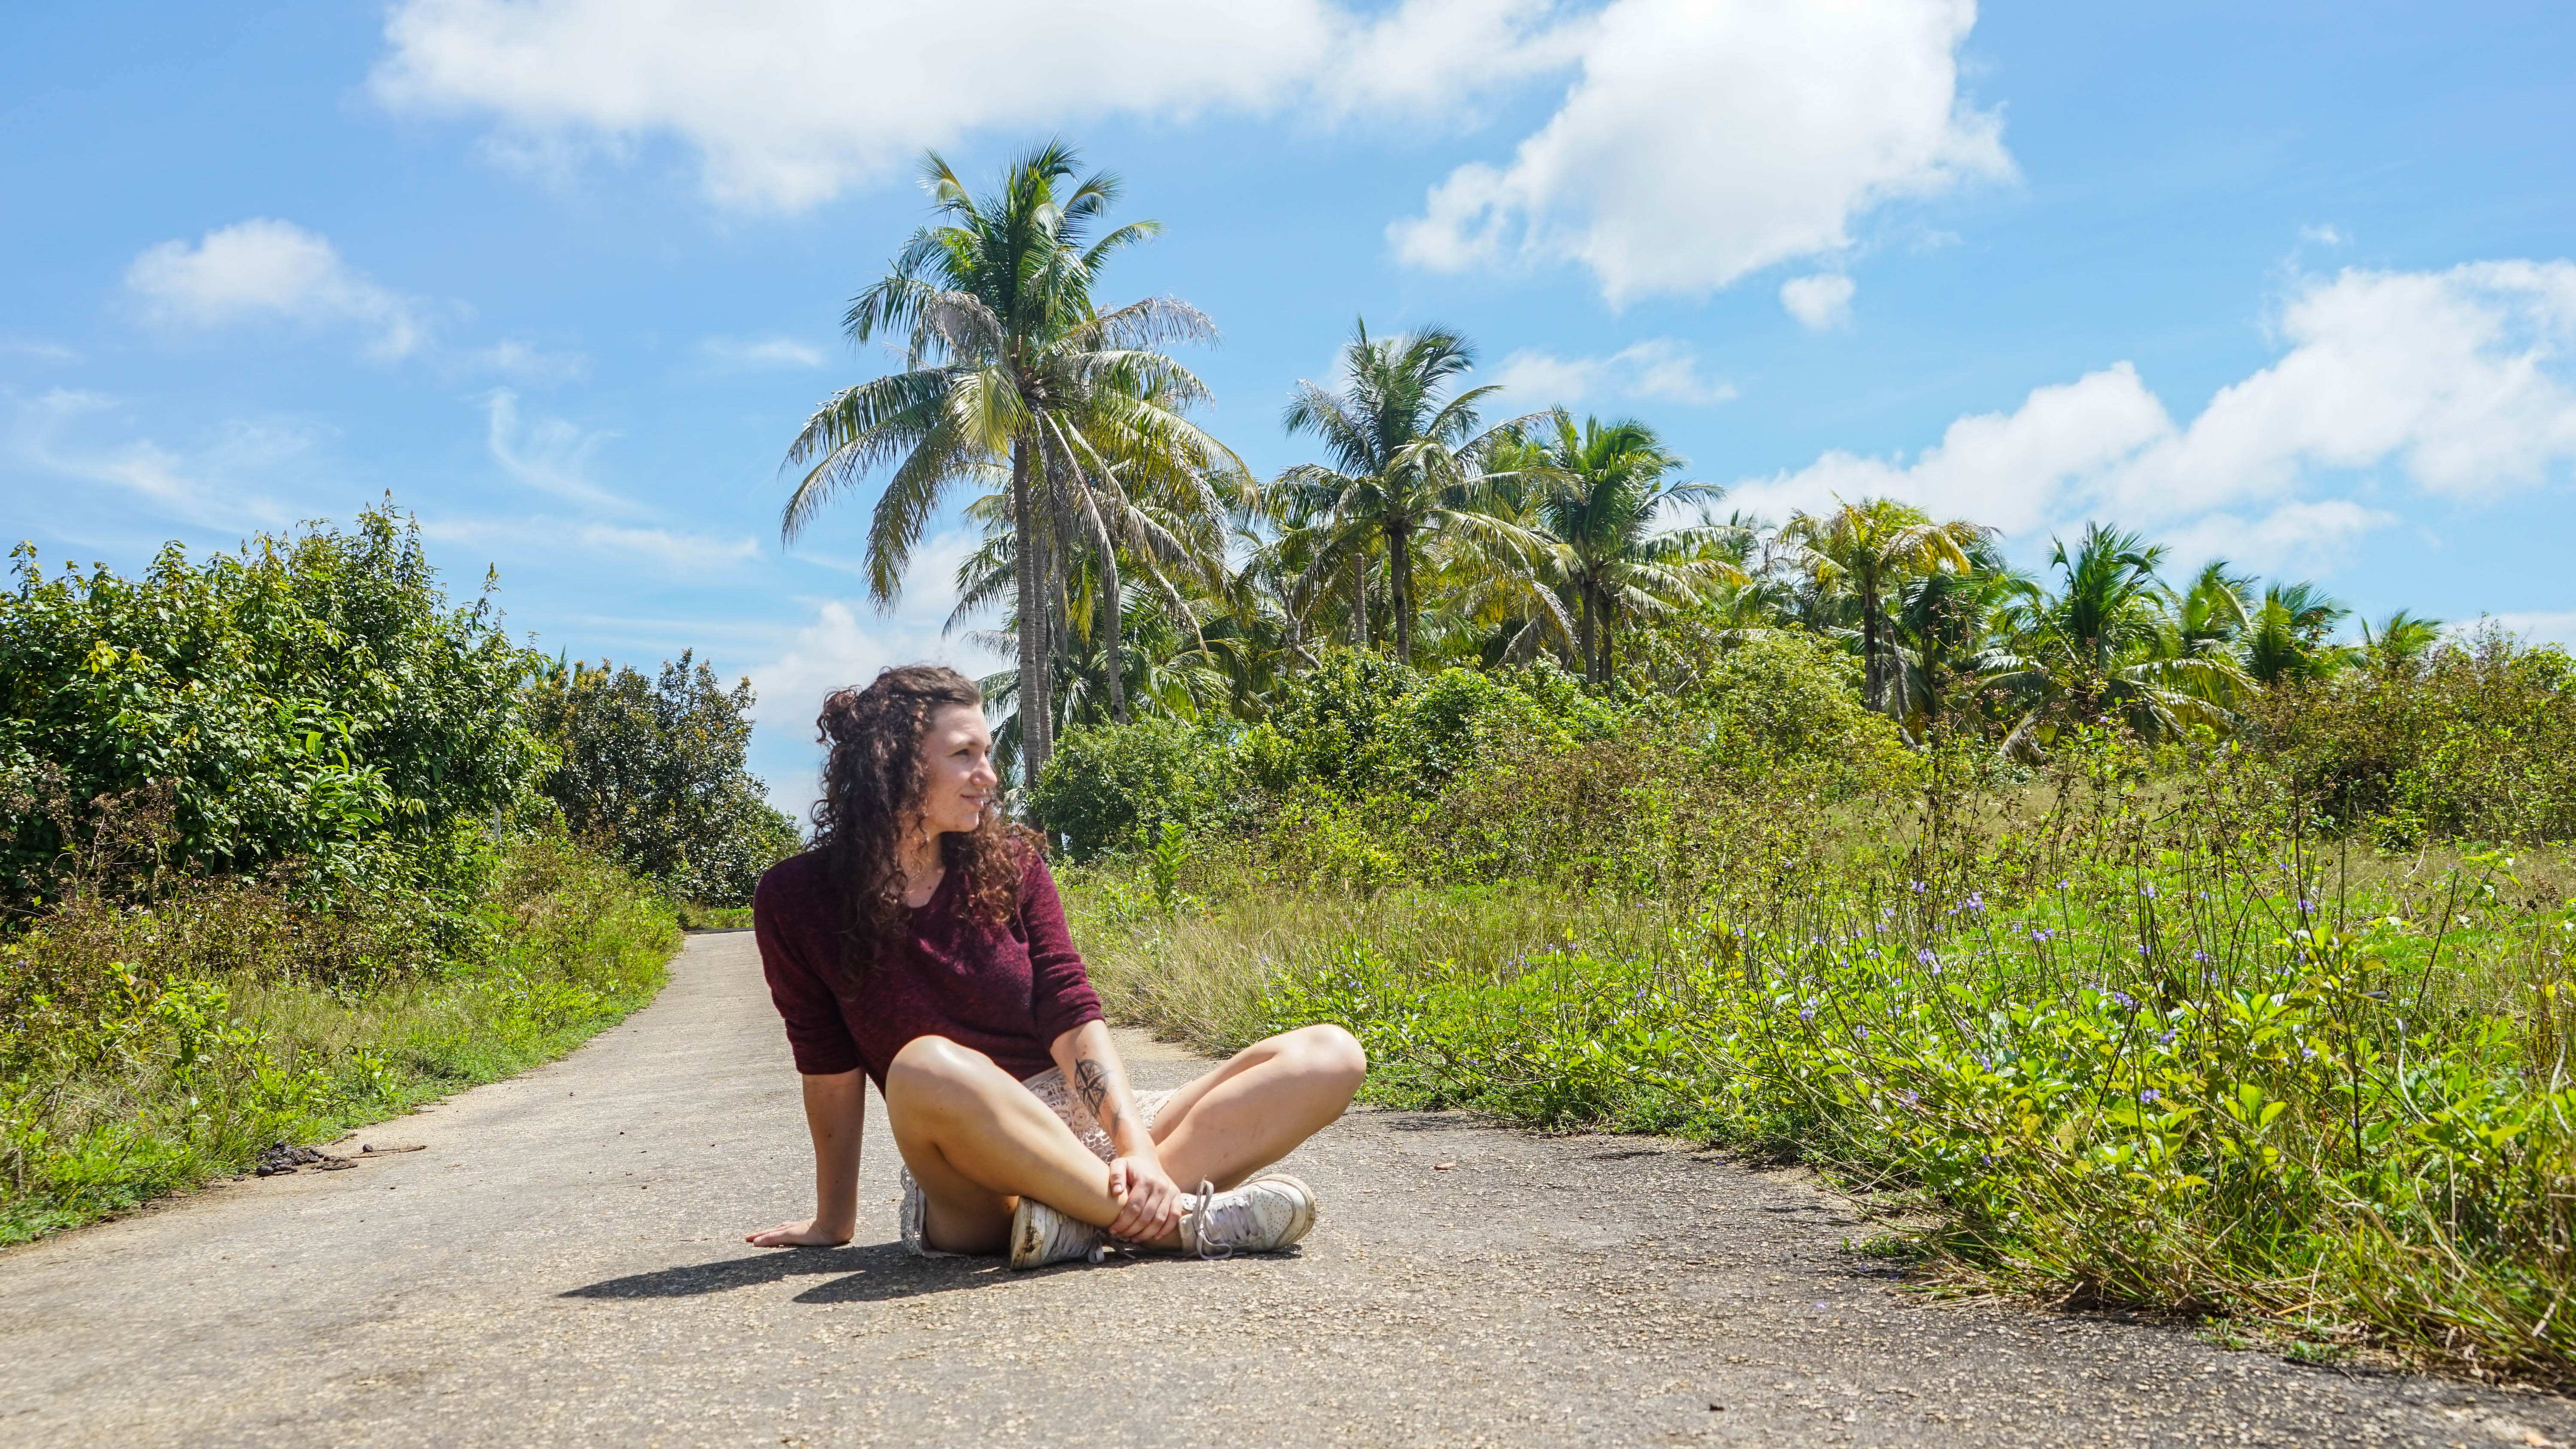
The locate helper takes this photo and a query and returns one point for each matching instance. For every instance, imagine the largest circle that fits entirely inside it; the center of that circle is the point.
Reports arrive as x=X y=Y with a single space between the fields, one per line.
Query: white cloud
x=766 y=352
x=530 y=363
x=549 y=455
x=223 y=484
x=1707 y=139
x=1659 y=368
x=1699 y=139
x=2533 y=628
x=679 y=552
x=789 y=101
x=2451 y=384
x=36 y=347
x=264 y=268
x=676 y=553
x=1821 y=302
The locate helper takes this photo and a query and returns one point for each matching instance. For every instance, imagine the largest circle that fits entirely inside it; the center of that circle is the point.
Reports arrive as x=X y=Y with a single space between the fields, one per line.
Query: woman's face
x=957 y=770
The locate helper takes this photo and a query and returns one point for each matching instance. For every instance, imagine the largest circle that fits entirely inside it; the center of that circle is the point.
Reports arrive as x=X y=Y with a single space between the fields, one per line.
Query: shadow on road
x=870 y=1274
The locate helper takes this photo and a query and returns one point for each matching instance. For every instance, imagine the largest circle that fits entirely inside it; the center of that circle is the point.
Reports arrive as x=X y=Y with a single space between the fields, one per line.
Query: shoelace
x=1214 y=1221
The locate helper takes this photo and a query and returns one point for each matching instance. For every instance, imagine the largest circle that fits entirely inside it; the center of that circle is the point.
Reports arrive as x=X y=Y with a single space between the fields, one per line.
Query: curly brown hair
x=872 y=788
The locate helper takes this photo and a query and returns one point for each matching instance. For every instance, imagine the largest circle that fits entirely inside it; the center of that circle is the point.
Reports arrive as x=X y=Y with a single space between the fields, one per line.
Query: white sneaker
x=1040 y=1235
x=1262 y=1216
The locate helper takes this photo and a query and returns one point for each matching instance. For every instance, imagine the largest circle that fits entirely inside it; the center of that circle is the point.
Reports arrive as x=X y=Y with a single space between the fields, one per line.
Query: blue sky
x=2286 y=283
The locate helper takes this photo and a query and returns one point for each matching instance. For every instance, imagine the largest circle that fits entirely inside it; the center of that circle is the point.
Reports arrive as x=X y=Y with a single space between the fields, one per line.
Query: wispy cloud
x=549 y=454
x=1659 y=369
x=223 y=483
x=528 y=362
x=764 y=352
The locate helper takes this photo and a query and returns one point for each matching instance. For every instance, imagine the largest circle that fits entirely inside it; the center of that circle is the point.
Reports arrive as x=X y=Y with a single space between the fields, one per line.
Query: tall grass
x=2141 y=1032
x=147 y=1049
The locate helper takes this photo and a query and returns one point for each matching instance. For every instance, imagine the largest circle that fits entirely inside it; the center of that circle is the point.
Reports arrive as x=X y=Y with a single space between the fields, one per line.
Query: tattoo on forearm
x=1091 y=1079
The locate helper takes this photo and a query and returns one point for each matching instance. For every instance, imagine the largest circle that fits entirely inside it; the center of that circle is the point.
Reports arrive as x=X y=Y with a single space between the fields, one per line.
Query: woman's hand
x=1150 y=1203
x=796 y=1235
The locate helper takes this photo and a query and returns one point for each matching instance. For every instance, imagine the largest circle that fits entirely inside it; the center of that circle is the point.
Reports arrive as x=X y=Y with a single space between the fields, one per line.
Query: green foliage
x=311 y=699
x=2124 y=1031
x=1109 y=786
x=146 y=1049
x=650 y=770
x=2473 y=740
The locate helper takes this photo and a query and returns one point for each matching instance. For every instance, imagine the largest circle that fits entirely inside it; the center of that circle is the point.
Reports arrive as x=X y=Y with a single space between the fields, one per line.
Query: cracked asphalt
x=563 y=1264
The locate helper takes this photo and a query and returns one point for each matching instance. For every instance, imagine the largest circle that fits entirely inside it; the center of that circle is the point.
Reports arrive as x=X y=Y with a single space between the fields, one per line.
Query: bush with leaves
x=312 y=700
x=1107 y=787
x=2476 y=740
x=650 y=769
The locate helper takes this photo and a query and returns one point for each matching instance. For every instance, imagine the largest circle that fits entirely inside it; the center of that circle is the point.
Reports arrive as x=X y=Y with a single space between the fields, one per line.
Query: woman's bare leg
x=1255 y=1109
x=976 y=1141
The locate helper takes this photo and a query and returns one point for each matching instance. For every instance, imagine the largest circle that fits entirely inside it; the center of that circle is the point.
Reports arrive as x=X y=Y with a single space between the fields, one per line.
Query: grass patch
x=146 y=1051
x=2151 y=1041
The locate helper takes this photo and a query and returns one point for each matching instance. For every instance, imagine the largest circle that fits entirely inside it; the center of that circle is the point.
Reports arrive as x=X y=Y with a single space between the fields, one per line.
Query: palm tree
x=1601 y=491
x=2286 y=637
x=2400 y=642
x=1868 y=546
x=2105 y=639
x=1407 y=463
x=1941 y=634
x=2214 y=610
x=1007 y=365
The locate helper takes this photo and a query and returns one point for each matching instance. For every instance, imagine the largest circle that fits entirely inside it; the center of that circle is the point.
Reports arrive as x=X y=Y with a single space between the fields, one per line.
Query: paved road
x=563 y=1265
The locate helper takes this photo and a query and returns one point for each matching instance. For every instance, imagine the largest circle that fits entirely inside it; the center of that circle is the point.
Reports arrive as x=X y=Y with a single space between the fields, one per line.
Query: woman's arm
x=836 y=1111
x=1151 y=1201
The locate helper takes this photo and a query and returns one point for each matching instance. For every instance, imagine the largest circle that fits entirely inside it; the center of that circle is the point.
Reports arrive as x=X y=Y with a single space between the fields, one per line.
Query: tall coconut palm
x=1408 y=461
x=2103 y=640
x=2214 y=610
x=1007 y=362
x=2400 y=642
x=1869 y=546
x=2286 y=637
x=1941 y=628
x=1602 y=491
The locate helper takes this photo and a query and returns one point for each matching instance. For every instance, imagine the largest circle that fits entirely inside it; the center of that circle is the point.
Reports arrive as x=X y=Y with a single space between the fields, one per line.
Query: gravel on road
x=563 y=1264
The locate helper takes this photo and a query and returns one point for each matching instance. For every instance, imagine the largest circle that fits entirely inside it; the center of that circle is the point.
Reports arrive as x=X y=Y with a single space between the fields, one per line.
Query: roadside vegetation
x=2129 y=932
x=2139 y=1025
x=289 y=843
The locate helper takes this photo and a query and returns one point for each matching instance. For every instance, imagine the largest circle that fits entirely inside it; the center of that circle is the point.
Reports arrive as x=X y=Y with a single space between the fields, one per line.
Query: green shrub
x=650 y=770
x=1108 y=786
x=2125 y=1033
x=2477 y=742
x=312 y=699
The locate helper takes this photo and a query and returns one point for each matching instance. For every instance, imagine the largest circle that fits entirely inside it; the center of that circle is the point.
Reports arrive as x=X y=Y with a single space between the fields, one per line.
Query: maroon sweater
x=1005 y=991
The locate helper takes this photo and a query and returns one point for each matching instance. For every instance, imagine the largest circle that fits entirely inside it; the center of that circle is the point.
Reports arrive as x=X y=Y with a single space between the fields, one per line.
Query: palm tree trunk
x=1035 y=705
x=1359 y=598
x=1609 y=663
x=1060 y=582
x=1399 y=575
x=1109 y=631
x=1872 y=681
x=1583 y=611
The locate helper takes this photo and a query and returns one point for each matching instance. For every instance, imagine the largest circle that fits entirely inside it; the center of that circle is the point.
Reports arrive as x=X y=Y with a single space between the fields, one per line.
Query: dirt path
x=563 y=1265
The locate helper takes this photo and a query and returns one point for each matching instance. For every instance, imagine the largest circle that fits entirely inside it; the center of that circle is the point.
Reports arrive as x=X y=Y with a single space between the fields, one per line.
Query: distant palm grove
x=1442 y=524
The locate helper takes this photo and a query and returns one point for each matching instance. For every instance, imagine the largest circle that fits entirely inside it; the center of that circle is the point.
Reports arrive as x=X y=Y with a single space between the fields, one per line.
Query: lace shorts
x=1049 y=1087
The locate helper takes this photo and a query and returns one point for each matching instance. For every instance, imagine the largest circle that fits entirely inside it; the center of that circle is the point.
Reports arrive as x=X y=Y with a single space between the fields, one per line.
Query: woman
x=921 y=942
